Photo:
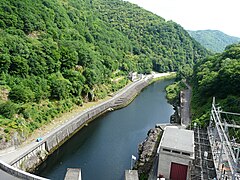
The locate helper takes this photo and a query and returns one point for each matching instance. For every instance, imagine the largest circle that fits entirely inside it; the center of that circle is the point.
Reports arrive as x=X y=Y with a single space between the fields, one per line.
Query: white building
x=133 y=76
x=176 y=153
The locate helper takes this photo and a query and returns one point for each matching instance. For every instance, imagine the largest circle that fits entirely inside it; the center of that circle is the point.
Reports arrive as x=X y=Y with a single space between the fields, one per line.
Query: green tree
x=8 y=109
x=19 y=66
x=4 y=62
x=60 y=87
x=21 y=94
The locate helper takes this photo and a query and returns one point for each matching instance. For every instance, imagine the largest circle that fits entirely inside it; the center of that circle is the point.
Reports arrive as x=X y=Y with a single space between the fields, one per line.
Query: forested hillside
x=213 y=40
x=56 y=54
x=217 y=76
x=164 y=43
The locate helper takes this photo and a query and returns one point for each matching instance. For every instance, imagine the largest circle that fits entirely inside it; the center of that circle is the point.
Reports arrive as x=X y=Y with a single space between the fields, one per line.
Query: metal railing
x=217 y=129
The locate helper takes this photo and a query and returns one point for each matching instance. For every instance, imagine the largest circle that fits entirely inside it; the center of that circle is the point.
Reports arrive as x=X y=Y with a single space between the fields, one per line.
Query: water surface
x=103 y=149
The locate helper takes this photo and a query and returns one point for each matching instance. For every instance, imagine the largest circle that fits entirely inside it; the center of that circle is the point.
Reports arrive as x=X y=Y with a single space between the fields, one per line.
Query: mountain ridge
x=213 y=40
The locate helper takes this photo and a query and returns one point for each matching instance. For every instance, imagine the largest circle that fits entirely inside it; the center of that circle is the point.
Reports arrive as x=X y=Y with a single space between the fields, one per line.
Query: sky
x=223 y=15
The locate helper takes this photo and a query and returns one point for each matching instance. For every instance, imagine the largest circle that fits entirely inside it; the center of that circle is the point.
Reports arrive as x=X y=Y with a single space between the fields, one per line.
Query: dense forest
x=215 y=41
x=58 y=54
x=217 y=76
x=164 y=44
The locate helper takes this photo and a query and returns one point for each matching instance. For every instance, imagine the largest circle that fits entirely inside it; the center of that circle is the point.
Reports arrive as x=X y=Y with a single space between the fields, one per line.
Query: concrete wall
x=35 y=151
x=68 y=130
x=51 y=142
x=165 y=159
x=18 y=173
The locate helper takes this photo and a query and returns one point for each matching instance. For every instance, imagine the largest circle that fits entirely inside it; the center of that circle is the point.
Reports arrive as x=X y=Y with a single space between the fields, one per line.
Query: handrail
x=19 y=173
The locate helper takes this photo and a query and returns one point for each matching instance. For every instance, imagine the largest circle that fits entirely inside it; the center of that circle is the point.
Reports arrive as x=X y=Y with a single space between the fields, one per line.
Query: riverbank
x=56 y=122
x=147 y=152
x=86 y=114
x=111 y=138
x=16 y=152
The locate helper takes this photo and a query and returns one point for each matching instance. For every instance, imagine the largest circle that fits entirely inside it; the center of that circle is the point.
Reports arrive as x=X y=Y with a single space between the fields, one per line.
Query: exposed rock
x=4 y=144
x=4 y=91
x=43 y=154
x=175 y=118
x=147 y=151
x=13 y=140
x=29 y=163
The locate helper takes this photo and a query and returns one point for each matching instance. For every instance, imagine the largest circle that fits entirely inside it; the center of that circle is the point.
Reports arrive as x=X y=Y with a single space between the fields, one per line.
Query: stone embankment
x=147 y=151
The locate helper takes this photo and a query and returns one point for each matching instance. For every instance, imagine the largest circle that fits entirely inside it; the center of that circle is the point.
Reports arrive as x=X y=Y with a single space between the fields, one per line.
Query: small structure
x=133 y=76
x=73 y=174
x=131 y=175
x=176 y=153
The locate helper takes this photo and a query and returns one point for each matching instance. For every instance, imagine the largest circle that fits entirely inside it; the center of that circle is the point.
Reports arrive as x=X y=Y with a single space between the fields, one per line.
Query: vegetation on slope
x=56 y=54
x=163 y=44
x=217 y=76
x=213 y=40
x=173 y=92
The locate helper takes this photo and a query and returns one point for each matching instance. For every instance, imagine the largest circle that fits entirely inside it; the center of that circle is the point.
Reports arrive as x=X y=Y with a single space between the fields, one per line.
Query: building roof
x=178 y=139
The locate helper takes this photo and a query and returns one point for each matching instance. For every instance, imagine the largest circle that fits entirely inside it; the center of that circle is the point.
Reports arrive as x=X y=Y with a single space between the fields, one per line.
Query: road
x=185 y=105
x=13 y=155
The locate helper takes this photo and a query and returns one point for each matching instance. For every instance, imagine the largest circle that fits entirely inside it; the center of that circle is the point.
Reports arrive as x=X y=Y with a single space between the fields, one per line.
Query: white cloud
x=220 y=15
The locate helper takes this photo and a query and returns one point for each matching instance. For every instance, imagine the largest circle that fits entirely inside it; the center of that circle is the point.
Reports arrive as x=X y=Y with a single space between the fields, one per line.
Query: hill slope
x=217 y=76
x=57 y=54
x=213 y=40
x=165 y=43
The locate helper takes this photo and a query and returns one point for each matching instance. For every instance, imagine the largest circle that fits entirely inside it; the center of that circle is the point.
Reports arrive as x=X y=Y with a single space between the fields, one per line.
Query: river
x=103 y=149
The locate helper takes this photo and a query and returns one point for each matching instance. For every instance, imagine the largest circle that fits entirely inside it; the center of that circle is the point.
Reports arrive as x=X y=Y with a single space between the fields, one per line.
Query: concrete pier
x=73 y=174
x=131 y=175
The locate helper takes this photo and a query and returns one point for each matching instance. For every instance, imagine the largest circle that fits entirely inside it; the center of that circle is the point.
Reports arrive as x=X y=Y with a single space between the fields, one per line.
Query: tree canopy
x=217 y=76
x=213 y=40
x=56 y=54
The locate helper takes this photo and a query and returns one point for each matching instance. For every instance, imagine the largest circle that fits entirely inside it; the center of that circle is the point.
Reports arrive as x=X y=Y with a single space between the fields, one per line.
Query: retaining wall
x=18 y=173
x=63 y=133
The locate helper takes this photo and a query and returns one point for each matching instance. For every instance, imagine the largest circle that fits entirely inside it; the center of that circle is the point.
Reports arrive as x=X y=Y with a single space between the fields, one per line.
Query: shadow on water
x=103 y=149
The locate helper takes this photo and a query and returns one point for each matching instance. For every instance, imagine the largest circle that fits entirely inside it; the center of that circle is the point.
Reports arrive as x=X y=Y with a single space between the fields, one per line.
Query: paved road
x=11 y=156
x=185 y=105
x=14 y=154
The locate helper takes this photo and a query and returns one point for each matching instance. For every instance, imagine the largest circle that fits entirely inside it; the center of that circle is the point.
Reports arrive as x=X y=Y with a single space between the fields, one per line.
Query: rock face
x=13 y=141
x=175 y=118
x=147 y=151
